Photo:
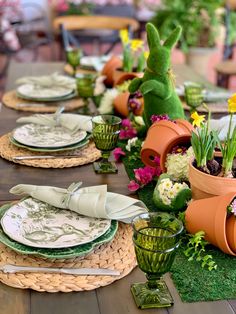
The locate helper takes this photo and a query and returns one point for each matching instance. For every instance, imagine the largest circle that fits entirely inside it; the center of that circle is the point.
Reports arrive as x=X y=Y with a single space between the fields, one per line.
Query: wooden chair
x=96 y=29
x=227 y=67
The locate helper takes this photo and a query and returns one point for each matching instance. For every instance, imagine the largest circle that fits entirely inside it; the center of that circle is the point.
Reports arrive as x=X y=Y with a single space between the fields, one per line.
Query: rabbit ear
x=173 y=38
x=152 y=36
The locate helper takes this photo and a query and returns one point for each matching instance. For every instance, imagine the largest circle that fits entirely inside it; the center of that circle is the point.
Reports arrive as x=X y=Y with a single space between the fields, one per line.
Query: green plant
x=203 y=141
x=198 y=18
x=196 y=248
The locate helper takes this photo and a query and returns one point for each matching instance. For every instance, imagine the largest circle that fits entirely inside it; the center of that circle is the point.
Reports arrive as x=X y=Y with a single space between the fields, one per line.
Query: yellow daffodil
x=124 y=36
x=146 y=54
x=136 y=44
x=232 y=104
x=197 y=119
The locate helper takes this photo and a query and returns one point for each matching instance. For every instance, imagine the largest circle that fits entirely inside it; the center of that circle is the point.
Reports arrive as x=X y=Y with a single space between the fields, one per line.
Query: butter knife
x=10 y=269
x=45 y=157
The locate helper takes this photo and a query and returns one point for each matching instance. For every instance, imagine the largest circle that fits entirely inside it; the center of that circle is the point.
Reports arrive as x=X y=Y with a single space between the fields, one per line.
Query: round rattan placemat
x=118 y=254
x=11 y=100
x=86 y=155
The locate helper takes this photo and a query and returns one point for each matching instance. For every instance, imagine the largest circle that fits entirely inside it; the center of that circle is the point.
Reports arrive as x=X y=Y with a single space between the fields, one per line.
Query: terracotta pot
x=210 y=215
x=108 y=69
x=121 y=105
x=231 y=4
x=120 y=77
x=204 y=185
x=162 y=137
x=231 y=232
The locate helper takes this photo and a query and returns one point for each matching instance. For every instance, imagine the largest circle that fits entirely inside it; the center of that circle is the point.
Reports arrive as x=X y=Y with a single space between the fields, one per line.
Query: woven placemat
x=118 y=254
x=11 y=100
x=86 y=155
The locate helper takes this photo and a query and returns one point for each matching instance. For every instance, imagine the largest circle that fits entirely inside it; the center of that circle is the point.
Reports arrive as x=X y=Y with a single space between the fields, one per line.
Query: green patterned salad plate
x=56 y=253
x=49 y=149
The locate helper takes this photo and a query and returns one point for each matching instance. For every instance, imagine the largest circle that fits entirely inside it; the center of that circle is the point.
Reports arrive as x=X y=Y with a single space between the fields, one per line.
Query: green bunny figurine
x=157 y=86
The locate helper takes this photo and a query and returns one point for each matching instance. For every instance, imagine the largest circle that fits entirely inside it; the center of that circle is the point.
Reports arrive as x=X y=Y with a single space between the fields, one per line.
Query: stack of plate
x=41 y=93
x=41 y=138
x=35 y=227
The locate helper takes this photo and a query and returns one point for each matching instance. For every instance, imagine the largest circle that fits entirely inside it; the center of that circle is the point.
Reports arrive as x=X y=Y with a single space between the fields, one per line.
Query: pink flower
x=128 y=133
x=118 y=153
x=157 y=160
x=133 y=186
x=126 y=123
x=233 y=207
x=156 y=118
x=144 y=175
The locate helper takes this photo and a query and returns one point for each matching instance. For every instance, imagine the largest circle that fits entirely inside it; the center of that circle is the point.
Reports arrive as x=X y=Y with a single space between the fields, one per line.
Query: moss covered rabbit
x=157 y=85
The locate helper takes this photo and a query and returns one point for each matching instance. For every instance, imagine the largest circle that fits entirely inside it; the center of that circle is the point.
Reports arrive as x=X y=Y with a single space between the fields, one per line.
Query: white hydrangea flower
x=177 y=165
x=131 y=142
x=106 y=105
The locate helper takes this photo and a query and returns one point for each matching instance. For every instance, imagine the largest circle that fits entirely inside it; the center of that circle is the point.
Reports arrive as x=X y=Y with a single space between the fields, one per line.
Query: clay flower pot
x=210 y=215
x=120 y=76
x=121 y=105
x=231 y=232
x=108 y=69
x=204 y=185
x=162 y=136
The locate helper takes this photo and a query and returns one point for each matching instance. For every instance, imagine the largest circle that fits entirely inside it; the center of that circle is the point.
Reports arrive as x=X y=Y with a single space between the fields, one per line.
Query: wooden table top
x=113 y=299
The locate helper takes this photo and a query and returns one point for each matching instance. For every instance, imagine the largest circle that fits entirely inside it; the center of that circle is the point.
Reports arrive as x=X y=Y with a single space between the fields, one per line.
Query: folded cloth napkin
x=53 y=80
x=70 y=121
x=221 y=126
x=93 y=201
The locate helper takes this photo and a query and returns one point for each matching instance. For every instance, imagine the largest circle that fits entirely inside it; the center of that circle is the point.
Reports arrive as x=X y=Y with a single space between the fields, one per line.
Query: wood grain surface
x=113 y=299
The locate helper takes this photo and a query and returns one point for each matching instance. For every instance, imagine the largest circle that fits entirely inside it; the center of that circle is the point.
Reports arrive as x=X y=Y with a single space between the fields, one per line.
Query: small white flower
x=131 y=142
x=166 y=200
x=139 y=120
x=106 y=105
x=167 y=184
x=171 y=194
x=99 y=85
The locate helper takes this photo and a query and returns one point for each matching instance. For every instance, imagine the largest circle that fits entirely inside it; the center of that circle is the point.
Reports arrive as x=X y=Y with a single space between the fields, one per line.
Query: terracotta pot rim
x=169 y=124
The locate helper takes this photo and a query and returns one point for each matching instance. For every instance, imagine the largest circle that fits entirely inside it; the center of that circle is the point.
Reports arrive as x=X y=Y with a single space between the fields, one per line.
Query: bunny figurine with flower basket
x=157 y=85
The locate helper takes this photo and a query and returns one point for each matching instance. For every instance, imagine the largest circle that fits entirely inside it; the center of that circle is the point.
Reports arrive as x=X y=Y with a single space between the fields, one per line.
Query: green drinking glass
x=85 y=88
x=73 y=56
x=106 y=130
x=193 y=95
x=156 y=237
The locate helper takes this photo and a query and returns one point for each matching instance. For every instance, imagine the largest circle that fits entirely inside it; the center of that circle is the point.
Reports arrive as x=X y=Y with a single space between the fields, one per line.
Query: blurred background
x=28 y=33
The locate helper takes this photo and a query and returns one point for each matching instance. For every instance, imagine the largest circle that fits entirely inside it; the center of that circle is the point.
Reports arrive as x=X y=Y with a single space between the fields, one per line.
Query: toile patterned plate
x=71 y=252
x=42 y=93
x=79 y=145
x=36 y=135
x=38 y=224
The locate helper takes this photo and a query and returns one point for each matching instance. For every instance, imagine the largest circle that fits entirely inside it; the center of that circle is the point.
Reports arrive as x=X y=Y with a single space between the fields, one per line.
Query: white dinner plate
x=36 y=135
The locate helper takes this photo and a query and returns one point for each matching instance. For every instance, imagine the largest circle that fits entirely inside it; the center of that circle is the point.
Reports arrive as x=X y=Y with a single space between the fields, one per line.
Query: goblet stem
x=105 y=156
x=152 y=281
x=74 y=71
x=86 y=106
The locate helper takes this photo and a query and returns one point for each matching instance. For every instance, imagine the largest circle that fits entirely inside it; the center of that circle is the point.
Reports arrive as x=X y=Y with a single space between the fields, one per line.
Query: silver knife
x=45 y=157
x=10 y=269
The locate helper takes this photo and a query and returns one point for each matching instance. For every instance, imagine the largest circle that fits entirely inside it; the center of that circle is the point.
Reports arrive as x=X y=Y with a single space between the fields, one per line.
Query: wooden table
x=113 y=299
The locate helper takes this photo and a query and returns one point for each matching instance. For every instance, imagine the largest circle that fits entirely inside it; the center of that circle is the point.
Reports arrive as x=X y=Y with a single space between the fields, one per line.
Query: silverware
x=72 y=271
x=45 y=157
x=31 y=105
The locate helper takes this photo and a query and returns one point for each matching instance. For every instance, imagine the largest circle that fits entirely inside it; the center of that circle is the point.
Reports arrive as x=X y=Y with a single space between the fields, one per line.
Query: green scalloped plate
x=60 y=149
x=76 y=251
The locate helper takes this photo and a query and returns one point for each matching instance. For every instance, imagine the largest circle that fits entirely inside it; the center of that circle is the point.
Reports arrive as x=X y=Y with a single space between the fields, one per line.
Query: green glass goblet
x=73 y=56
x=106 y=129
x=85 y=88
x=193 y=95
x=156 y=237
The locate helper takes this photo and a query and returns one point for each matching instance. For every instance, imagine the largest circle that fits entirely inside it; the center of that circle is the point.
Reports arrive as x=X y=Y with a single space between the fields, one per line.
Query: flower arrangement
x=204 y=142
x=169 y=195
x=177 y=163
x=127 y=130
x=133 y=53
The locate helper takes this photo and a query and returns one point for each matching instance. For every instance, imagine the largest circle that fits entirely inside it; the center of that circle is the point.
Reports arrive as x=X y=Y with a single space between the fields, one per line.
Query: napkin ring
x=71 y=190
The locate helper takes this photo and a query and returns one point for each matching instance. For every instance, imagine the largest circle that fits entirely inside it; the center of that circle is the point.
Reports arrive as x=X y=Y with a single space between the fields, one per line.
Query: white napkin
x=93 y=201
x=70 y=121
x=48 y=81
x=222 y=125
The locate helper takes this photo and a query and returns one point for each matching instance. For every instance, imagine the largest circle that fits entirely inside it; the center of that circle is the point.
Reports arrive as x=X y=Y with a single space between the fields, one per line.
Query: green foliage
x=196 y=248
x=203 y=143
x=198 y=18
